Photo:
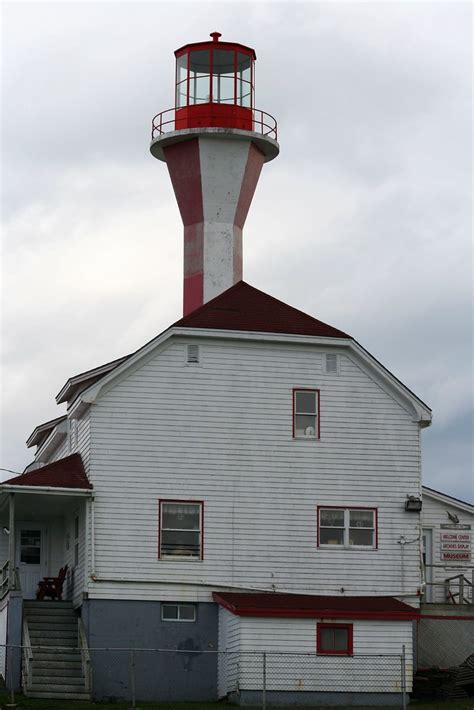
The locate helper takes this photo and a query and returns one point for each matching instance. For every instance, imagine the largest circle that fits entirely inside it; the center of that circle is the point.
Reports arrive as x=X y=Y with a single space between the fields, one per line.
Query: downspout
x=92 y=538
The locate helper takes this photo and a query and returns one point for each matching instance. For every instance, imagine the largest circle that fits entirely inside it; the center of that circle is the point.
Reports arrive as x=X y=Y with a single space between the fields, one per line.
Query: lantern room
x=214 y=85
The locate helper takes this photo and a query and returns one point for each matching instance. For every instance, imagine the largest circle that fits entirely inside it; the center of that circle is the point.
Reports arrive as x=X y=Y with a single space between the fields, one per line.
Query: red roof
x=305 y=605
x=64 y=473
x=243 y=307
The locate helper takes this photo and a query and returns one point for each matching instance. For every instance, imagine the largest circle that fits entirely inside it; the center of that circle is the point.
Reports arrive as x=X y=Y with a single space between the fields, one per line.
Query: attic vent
x=331 y=364
x=192 y=357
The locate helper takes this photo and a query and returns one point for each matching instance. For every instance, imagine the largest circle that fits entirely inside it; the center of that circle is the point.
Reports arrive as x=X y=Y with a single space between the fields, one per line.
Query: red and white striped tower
x=214 y=143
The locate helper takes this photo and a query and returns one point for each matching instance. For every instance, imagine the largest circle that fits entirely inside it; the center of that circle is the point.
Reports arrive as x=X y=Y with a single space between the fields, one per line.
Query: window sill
x=179 y=558
x=355 y=548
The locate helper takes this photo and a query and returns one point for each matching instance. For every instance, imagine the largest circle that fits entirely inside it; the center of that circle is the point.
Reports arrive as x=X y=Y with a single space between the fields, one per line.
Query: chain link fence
x=255 y=678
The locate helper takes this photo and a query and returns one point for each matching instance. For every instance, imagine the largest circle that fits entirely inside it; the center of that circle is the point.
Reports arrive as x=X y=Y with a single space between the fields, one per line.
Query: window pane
x=331 y=536
x=305 y=402
x=223 y=89
x=340 y=639
x=361 y=537
x=181 y=67
x=199 y=62
x=332 y=518
x=169 y=612
x=327 y=640
x=305 y=425
x=181 y=94
x=30 y=547
x=180 y=542
x=181 y=516
x=243 y=66
x=199 y=90
x=187 y=612
x=223 y=62
x=361 y=519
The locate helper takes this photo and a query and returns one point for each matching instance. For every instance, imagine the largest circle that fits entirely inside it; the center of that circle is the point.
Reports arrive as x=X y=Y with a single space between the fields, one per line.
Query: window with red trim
x=305 y=414
x=347 y=527
x=180 y=529
x=334 y=639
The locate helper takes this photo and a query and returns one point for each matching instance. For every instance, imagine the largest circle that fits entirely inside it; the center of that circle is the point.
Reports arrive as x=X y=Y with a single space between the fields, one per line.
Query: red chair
x=52 y=586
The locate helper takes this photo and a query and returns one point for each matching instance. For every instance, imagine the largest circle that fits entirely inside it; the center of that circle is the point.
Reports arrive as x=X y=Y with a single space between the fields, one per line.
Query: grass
x=33 y=704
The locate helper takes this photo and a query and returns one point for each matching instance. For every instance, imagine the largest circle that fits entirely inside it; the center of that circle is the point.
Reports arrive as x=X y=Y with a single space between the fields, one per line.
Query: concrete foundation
x=189 y=673
x=14 y=640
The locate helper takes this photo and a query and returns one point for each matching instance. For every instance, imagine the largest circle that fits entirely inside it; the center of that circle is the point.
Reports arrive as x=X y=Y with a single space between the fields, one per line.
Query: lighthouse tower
x=214 y=142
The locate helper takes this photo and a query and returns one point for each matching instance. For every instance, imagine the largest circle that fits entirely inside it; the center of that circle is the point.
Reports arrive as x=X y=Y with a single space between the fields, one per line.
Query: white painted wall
x=434 y=515
x=282 y=639
x=222 y=433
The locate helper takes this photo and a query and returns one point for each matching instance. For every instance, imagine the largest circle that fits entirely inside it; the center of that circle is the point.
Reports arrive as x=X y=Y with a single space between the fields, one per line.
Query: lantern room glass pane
x=181 y=94
x=222 y=89
x=181 y=68
x=223 y=62
x=199 y=77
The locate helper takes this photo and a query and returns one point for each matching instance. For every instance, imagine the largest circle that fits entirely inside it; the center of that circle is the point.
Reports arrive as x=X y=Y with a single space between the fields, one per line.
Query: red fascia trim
x=318 y=409
x=347 y=652
x=350 y=507
x=180 y=500
x=445 y=617
x=196 y=46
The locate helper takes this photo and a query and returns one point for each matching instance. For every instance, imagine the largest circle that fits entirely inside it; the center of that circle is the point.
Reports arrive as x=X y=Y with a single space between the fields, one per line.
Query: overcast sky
x=363 y=220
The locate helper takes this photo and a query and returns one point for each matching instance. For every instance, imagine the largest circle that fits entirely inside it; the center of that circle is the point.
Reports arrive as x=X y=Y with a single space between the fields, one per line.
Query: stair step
x=53 y=682
x=56 y=622
x=55 y=664
x=53 y=670
x=54 y=641
x=45 y=610
x=47 y=632
x=61 y=695
x=59 y=655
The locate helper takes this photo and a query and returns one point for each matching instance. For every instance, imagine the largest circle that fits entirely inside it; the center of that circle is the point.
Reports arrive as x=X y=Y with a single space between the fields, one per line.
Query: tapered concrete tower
x=214 y=142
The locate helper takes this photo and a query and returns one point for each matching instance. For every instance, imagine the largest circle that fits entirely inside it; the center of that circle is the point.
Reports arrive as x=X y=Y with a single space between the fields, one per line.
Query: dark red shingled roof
x=243 y=307
x=64 y=473
x=310 y=606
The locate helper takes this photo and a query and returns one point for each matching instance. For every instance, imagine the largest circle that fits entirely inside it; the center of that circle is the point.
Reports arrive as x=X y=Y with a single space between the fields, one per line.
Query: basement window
x=178 y=612
x=334 y=639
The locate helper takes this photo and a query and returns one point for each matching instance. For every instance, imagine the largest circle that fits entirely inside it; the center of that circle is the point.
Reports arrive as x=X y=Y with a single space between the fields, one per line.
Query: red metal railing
x=262 y=122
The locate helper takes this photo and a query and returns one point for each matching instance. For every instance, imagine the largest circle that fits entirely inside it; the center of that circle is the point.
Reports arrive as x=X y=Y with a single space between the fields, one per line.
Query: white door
x=31 y=556
x=427 y=562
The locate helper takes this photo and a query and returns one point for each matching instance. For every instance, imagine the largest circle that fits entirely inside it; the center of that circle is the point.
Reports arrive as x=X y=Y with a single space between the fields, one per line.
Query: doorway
x=31 y=556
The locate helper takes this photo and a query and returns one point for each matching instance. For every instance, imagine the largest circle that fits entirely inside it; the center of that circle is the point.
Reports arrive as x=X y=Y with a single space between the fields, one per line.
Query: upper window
x=192 y=354
x=347 y=527
x=334 y=639
x=180 y=529
x=306 y=414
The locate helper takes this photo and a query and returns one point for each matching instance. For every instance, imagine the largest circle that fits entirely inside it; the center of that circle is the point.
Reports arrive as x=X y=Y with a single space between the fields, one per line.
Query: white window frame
x=178 y=606
x=315 y=414
x=329 y=372
x=195 y=503
x=186 y=355
x=347 y=528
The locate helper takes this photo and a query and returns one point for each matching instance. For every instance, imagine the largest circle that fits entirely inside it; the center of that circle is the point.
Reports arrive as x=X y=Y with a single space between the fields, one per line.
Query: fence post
x=132 y=676
x=404 y=678
x=264 y=681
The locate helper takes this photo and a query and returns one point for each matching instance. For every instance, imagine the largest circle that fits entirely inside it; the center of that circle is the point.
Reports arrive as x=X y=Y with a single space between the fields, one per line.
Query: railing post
x=461 y=589
x=404 y=678
x=264 y=681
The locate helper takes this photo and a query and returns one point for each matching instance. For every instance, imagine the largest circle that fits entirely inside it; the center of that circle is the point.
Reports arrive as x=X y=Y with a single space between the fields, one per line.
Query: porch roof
x=64 y=474
x=272 y=604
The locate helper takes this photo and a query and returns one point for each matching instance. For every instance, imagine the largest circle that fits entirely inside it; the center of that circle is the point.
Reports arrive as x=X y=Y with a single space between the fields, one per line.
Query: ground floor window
x=334 y=639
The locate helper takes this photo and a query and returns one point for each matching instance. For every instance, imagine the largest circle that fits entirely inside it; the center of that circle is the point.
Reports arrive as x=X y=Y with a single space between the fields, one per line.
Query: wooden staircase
x=56 y=669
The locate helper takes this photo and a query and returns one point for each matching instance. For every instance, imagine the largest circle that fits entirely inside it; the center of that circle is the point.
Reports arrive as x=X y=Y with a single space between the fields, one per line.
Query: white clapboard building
x=248 y=481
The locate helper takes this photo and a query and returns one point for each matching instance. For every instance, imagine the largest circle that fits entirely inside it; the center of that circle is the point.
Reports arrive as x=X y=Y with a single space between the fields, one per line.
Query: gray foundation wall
x=14 y=638
x=186 y=674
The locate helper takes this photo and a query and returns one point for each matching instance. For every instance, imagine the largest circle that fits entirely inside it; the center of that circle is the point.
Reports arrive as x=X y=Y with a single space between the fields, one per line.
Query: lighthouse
x=214 y=142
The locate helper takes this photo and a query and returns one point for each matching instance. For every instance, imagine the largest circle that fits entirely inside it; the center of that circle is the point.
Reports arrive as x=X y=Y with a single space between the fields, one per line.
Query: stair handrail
x=85 y=655
x=27 y=655
x=5 y=579
x=462 y=581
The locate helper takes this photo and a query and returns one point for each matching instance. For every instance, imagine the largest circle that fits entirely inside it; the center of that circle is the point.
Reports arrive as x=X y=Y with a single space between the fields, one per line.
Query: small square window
x=178 y=612
x=306 y=414
x=334 y=639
